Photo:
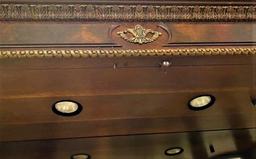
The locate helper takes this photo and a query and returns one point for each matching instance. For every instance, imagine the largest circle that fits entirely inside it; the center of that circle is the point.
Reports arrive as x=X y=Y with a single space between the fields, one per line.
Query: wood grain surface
x=195 y=144
x=95 y=34
x=126 y=96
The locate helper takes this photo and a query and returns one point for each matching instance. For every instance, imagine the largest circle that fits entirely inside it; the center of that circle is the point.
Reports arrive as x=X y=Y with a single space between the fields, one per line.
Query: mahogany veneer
x=108 y=56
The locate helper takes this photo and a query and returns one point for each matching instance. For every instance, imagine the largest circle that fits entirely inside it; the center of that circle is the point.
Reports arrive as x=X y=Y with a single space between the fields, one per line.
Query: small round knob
x=166 y=64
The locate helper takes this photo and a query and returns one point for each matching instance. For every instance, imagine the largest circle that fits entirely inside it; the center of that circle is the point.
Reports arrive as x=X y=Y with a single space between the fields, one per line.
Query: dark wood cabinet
x=134 y=67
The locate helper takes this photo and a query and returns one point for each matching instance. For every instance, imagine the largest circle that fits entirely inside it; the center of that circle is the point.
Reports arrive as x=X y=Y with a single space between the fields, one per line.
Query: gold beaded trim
x=80 y=53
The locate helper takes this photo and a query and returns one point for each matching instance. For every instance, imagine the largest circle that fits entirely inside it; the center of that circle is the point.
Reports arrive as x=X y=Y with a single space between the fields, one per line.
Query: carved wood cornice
x=82 y=53
x=126 y=12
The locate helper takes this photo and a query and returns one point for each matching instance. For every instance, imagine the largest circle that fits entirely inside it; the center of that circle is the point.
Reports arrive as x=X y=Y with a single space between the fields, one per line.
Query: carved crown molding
x=81 y=53
x=127 y=12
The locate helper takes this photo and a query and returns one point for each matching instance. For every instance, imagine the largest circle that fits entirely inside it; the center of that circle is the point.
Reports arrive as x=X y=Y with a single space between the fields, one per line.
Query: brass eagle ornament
x=139 y=35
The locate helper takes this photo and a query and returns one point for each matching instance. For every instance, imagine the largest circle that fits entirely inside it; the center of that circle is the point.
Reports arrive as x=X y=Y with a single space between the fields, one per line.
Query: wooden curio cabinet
x=109 y=79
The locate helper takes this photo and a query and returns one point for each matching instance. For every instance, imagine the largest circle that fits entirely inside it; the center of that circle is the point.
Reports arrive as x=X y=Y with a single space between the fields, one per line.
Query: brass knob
x=166 y=63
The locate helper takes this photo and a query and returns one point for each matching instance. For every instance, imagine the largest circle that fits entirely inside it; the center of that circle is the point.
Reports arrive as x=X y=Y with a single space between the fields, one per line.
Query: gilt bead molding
x=125 y=12
x=80 y=53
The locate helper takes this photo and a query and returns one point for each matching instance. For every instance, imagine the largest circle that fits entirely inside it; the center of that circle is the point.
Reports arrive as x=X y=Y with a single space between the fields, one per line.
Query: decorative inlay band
x=80 y=53
x=139 y=35
x=118 y=12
